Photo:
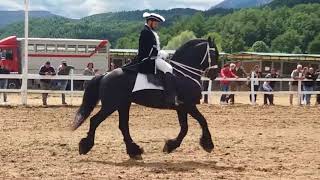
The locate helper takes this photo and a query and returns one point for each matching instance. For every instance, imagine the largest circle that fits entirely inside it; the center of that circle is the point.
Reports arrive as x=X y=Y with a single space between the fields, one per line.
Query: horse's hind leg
x=205 y=140
x=133 y=150
x=87 y=143
x=172 y=144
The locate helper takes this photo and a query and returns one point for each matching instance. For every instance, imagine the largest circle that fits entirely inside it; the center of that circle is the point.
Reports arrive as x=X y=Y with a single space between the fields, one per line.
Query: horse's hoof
x=134 y=151
x=207 y=144
x=170 y=146
x=136 y=157
x=85 y=145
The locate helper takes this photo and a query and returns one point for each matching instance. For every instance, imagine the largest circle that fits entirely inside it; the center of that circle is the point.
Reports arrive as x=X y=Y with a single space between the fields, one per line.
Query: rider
x=150 y=53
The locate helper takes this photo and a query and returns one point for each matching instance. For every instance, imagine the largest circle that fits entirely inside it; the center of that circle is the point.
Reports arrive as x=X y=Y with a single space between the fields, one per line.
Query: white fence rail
x=252 y=92
x=74 y=77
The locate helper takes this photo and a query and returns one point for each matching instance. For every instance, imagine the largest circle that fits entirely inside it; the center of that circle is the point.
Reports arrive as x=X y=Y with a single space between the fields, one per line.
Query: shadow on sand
x=179 y=166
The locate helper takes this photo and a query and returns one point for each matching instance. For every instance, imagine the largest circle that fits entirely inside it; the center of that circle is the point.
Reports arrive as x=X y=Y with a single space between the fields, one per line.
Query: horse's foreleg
x=133 y=150
x=205 y=140
x=87 y=143
x=172 y=144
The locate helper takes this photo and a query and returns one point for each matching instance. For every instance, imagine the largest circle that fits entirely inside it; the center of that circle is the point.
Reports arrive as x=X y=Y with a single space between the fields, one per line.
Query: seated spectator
x=89 y=71
x=267 y=88
x=293 y=85
x=309 y=85
x=4 y=82
x=46 y=70
x=225 y=73
x=63 y=69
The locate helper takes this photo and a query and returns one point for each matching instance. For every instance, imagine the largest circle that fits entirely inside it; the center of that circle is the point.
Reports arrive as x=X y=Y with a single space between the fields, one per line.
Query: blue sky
x=81 y=8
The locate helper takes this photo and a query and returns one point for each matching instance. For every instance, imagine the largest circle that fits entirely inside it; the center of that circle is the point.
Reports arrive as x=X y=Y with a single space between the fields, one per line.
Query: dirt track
x=251 y=142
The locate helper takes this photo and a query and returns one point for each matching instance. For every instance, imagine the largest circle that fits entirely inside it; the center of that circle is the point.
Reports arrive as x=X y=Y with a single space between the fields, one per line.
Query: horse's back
x=117 y=84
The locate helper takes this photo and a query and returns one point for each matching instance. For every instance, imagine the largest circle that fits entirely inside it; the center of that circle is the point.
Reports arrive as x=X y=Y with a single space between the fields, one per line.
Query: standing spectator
x=63 y=69
x=46 y=70
x=317 y=86
x=273 y=74
x=89 y=71
x=112 y=67
x=225 y=73
x=233 y=84
x=293 y=85
x=237 y=85
x=4 y=82
x=309 y=85
x=256 y=84
x=268 y=88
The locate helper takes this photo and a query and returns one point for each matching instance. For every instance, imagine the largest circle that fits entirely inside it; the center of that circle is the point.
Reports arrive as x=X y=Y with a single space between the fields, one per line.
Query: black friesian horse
x=115 y=92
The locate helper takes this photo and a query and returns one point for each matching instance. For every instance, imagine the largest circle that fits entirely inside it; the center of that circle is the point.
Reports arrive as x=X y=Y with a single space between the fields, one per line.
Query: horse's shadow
x=178 y=166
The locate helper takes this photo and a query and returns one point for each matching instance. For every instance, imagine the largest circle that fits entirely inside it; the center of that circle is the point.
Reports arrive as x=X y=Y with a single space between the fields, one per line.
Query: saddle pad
x=143 y=83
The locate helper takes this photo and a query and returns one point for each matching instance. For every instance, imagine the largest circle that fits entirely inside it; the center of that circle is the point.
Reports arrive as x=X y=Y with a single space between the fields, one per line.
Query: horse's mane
x=186 y=47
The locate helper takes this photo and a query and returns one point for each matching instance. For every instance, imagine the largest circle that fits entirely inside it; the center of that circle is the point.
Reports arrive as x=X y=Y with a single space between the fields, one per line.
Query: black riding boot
x=170 y=90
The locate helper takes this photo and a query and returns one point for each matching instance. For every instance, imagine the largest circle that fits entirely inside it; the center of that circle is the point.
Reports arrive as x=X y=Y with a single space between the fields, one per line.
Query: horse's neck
x=187 y=72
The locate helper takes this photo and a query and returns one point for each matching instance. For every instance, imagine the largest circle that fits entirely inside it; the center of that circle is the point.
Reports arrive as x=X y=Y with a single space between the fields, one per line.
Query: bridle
x=196 y=71
x=192 y=70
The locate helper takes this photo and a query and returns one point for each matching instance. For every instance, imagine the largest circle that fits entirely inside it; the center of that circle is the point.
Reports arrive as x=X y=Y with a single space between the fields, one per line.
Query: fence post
x=252 y=88
x=209 y=91
x=300 y=95
x=71 y=88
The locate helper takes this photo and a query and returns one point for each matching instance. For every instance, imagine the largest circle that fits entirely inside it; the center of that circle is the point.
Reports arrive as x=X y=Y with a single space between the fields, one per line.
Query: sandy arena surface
x=252 y=142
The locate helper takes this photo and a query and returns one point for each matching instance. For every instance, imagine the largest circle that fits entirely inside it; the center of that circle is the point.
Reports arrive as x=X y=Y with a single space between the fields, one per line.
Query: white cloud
x=81 y=8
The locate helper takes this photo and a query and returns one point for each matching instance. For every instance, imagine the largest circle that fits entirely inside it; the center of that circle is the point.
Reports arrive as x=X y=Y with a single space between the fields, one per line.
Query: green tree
x=314 y=46
x=179 y=40
x=217 y=39
x=297 y=50
x=286 y=42
x=260 y=46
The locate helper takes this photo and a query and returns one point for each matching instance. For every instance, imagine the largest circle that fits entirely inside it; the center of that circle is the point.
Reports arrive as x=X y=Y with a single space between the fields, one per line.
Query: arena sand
x=251 y=142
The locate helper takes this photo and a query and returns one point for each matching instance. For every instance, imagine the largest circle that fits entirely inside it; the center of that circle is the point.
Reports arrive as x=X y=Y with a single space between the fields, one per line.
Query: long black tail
x=89 y=101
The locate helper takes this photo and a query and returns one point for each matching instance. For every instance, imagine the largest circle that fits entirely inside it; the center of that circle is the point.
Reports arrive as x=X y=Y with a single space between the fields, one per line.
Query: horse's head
x=213 y=70
x=198 y=53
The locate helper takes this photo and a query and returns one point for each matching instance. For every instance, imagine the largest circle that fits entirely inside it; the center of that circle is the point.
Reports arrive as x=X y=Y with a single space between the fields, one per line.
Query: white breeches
x=163 y=66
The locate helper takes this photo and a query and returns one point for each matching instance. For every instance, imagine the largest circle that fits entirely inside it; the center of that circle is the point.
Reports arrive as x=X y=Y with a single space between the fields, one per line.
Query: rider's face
x=154 y=24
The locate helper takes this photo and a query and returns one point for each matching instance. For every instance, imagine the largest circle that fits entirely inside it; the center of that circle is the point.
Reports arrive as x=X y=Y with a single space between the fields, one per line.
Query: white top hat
x=154 y=16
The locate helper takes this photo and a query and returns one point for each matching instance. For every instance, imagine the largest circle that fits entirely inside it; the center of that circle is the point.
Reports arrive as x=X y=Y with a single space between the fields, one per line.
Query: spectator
x=293 y=85
x=267 y=88
x=256 y=84
x=4 y=82
x=63 y=69
x=317 y=86
x=237 y=85
x=309 y=85
x=46 y=70
x=89 y=71
x=225 y=73
x=273 y=74
x=112 y=66
x=233 y=84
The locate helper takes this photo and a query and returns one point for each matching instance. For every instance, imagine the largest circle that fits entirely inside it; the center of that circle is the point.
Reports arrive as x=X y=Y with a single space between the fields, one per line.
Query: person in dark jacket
x=317 y=86
x=46 y=70
x=309 y=85
x=4 y=82
x=63 y=69
x=273 y=74
x=150 y=58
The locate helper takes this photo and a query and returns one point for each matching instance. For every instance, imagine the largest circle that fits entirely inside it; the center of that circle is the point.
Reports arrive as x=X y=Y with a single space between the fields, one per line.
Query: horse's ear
x=211 y=42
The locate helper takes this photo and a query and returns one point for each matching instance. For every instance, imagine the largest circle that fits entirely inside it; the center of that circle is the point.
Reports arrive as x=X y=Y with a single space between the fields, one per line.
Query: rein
x=193 y=70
